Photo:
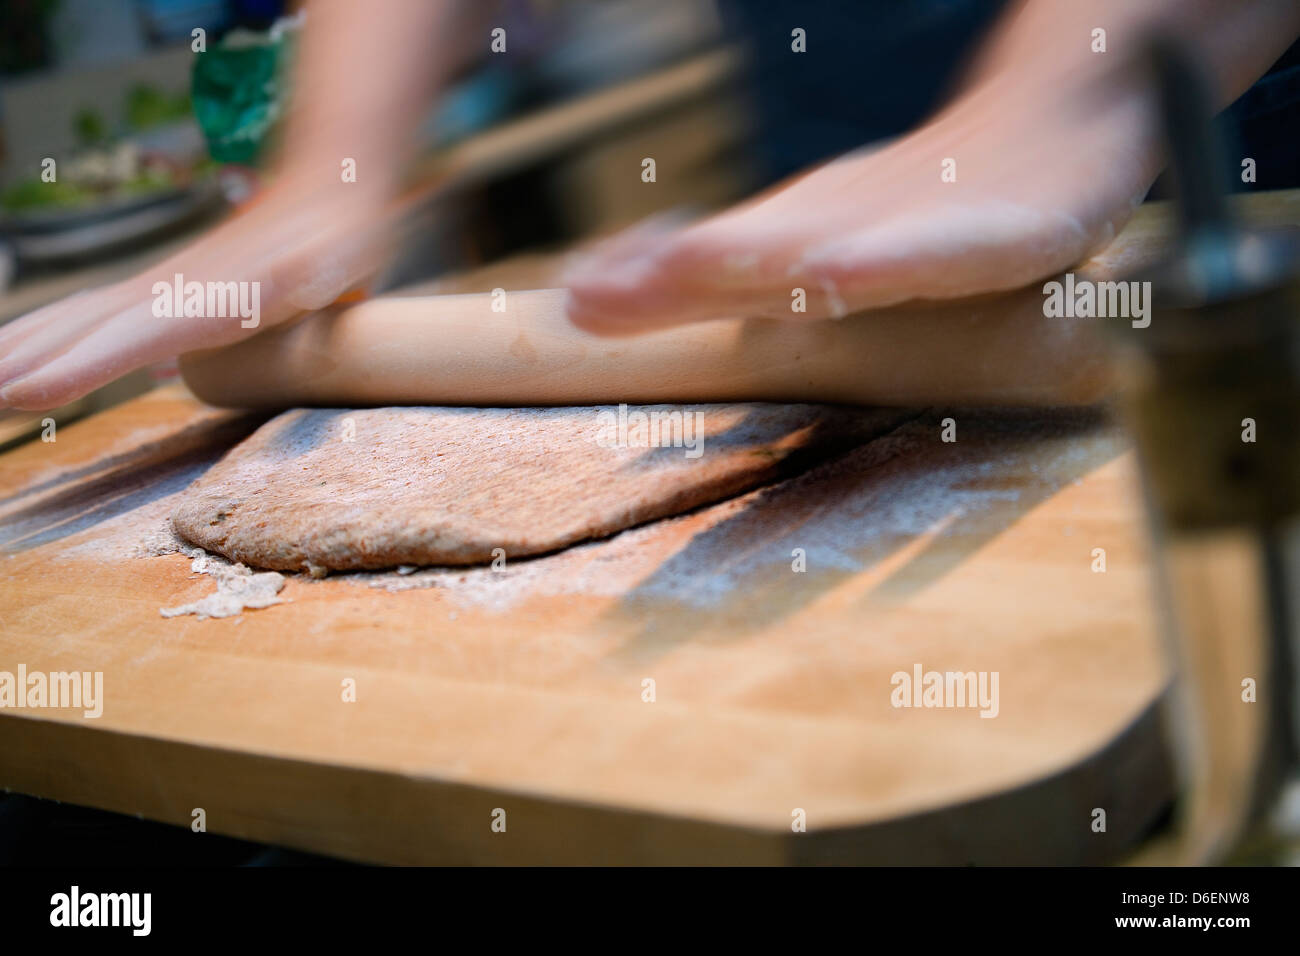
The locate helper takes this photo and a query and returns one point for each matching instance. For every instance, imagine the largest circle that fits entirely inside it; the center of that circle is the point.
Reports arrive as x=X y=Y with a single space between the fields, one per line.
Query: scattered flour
x=238 y=587
x=846 y=514
x=117 y=508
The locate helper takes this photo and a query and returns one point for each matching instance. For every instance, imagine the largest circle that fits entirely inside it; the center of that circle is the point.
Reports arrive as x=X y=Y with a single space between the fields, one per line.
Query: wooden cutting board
x=525 y=691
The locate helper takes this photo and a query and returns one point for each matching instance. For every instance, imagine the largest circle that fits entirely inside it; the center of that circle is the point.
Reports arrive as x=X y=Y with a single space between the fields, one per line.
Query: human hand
x=295 y=250
x=1005 y=187
x=1048 y=149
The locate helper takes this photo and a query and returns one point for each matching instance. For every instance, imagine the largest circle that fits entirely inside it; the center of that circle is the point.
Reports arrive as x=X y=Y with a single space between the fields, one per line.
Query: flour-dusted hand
x=1035 y=165
x=293 y=252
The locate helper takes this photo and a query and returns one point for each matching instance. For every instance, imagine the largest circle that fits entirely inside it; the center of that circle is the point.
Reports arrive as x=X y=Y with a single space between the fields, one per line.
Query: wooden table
x=523 y=692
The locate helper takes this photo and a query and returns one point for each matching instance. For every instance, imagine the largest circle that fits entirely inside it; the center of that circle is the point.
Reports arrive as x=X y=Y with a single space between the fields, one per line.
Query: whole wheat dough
x=341 y=489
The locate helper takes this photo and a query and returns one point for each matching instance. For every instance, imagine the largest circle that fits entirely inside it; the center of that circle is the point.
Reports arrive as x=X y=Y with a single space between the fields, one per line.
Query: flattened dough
x=347 y=489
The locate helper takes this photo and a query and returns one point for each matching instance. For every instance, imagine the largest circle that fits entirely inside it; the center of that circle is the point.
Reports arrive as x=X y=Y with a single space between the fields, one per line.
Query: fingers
x=802 y=256
x=251 y=273
x=29 y=341
x=92 y=357
x=765 y=264
x=63 y=351
x=747 y=261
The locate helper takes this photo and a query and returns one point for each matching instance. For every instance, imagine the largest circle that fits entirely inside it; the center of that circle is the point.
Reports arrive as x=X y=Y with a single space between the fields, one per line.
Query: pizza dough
x=343 y=489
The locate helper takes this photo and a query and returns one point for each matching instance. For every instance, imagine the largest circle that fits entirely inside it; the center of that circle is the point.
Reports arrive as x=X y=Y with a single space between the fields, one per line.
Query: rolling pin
x=518 y=348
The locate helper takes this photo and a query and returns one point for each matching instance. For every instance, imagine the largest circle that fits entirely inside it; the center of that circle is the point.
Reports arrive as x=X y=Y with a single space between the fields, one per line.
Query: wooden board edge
x=425 y=821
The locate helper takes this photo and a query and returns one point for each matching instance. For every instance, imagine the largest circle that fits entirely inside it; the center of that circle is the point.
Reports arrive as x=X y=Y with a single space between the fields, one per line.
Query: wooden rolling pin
x=456 y=350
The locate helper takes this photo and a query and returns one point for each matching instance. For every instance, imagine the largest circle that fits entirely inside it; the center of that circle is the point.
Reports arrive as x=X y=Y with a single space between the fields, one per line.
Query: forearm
x=366 y=75
x=1235 y=41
